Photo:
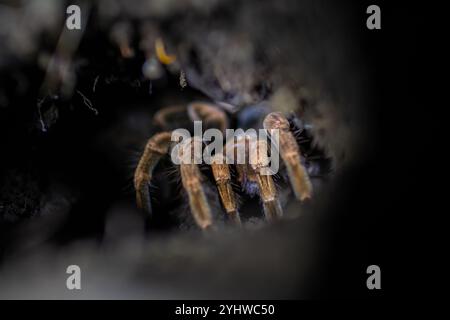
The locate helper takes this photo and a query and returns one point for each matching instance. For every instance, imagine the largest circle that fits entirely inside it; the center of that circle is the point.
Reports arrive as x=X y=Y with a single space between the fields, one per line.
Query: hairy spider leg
x=162 y=117
x=191 y=179
x=268 y=192
x=157 y=146
x=213 y=116
x=236 y=150
x=222 y=176
x=290 y=153
x=253 y=174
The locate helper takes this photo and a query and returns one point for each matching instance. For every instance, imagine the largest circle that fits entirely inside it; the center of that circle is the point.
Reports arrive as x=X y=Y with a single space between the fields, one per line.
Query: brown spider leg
x=209 y=113
x=259 y=163
x=290 y=153
x=213 y=116
x=255 y=170
x=244 y=172
x=222 y=176
x=162 y=117
x=191 y=179
x=157 y=146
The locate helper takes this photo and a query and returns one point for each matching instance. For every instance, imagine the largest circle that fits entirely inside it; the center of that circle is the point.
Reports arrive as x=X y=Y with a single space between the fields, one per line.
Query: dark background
x=388 y=203
x=372 y=219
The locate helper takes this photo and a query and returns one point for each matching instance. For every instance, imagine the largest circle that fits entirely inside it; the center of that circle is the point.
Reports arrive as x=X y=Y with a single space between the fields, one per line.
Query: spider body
x=251 y=170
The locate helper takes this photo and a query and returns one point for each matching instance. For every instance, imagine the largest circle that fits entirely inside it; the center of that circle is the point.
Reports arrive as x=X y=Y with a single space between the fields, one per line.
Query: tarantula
x=249 y=174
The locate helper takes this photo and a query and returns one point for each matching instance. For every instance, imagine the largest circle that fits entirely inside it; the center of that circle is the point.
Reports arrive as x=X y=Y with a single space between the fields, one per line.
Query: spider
x=249 y=174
